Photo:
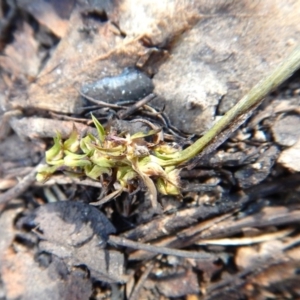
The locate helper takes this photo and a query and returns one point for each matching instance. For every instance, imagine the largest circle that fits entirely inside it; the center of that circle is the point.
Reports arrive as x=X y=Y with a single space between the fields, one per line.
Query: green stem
x=252 y=98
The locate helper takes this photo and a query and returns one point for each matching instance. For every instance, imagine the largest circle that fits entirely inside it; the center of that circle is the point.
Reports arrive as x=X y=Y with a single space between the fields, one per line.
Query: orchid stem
x=251 y=99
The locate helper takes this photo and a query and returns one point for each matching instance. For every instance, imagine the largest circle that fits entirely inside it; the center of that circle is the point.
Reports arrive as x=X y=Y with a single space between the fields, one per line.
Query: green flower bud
x=55 y=153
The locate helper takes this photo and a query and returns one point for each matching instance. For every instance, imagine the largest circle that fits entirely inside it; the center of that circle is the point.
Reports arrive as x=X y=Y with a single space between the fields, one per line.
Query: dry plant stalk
x=129 y=159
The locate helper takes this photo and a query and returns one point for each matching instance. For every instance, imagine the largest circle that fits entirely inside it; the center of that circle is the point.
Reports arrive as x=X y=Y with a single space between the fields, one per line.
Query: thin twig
x=68 y=118
x=107 y=198
x=63 y=179
x=238 y=280
x=20 y=188
x=99 y=102
x=247 y=240
x=179 y=239
x=153 y=113
x=160 y=135
x=135 y=293
x=132 y=109
x=156 y=249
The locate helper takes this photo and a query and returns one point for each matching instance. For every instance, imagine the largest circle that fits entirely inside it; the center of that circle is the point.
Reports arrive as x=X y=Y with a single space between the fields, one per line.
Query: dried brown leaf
x=48 y=14
x=21 y=57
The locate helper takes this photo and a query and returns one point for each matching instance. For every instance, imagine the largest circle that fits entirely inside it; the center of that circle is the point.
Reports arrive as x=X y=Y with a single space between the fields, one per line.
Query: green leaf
x=100 y=129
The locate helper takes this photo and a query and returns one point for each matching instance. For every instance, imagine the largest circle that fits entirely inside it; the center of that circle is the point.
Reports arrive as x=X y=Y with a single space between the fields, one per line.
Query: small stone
x=286 y=131
x=179 y=285
x=260 y=136
x=290 y=158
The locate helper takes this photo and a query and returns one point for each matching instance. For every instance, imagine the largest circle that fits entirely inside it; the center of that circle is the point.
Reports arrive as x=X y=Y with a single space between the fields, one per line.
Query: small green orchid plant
x=129 y=159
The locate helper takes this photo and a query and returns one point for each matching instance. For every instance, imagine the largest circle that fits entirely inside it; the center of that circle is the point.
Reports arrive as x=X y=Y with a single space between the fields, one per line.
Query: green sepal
x=72 y=143
x=165 y=150
x=165 y=156
x=96 y=171
x=98 y=159
x=100 y=129
x=166 y=188
x=86 y=145
x=150 y=159
x=76 y=160
x=125 y=174
x=55 y=153
x=114 y=151
x=149 y=167
x=45 y=172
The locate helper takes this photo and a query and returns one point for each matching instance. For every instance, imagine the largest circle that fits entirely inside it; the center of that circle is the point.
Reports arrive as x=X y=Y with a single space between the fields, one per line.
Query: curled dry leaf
x=52 y=14
x=21 y=57
x=77 y=233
